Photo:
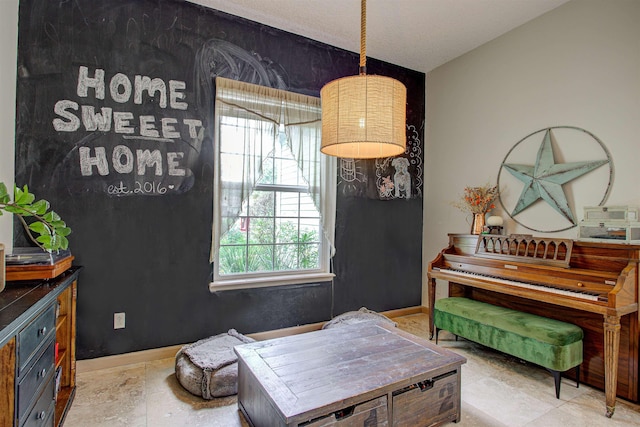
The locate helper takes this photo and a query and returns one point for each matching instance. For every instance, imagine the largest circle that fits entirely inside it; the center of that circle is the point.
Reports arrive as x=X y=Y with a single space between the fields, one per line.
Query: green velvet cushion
x=546 y=342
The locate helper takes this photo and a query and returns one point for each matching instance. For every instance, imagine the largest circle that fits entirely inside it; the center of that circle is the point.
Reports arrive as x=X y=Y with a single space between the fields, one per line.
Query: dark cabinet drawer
x=42 y=412
x=36 y=317
x=34 y=379
x=31 y=337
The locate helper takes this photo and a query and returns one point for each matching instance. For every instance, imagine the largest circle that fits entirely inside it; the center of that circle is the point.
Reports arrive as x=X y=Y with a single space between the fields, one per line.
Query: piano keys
x=593 y=285
x=587 y=295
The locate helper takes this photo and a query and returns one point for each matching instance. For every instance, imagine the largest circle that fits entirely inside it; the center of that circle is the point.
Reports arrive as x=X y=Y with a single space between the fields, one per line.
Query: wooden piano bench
x=550 y=343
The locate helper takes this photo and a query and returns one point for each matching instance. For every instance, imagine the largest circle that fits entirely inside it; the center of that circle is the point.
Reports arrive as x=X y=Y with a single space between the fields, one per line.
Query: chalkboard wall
x=114 y=128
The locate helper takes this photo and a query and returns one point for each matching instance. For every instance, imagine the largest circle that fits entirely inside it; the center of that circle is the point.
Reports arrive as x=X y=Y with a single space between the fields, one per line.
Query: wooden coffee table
x=357 y=375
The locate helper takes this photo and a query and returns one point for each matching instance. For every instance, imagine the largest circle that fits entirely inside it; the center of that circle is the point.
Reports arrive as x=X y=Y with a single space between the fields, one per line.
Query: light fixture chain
x=363 y=37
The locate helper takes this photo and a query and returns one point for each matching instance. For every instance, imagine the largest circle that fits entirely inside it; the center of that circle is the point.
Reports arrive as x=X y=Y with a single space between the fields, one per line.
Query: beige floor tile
x=111 y=397
x=474 y=417
x=588 y=410
x=509 y=405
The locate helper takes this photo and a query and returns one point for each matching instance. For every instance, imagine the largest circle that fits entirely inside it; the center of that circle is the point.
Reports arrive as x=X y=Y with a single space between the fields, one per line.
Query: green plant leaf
x=63 y=231
x=51 y=216
x=3 y=193
x=17 y=210
x=45 y=239
x=39 y=228
x=23 y=197
x=64 y=243
x=57 y=224
x=40 y=207
x=18 y=193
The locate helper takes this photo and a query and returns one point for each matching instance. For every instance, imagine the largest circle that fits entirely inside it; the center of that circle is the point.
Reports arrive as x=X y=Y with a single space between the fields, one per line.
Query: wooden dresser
x=37 y=350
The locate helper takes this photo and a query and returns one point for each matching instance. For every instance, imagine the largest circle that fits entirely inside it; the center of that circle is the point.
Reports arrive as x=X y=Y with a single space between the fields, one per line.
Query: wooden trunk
x=351 y=375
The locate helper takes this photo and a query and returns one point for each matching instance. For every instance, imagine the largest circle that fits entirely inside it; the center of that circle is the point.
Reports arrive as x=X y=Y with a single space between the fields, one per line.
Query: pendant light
x=363 y=116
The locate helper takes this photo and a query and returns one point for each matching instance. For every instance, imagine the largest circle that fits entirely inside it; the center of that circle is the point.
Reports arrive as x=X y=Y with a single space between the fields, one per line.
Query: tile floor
x=497 y=390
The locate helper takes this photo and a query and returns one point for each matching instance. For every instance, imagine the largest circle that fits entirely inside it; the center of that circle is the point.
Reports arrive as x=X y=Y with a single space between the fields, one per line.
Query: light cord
x=363 y=37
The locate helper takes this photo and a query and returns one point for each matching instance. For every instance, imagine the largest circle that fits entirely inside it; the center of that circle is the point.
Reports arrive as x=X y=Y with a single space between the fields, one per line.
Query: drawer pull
x=344 y=413
x=41 y=415
x=43 y=373
x=42 y=331
x=423 y=385
x=426 y=385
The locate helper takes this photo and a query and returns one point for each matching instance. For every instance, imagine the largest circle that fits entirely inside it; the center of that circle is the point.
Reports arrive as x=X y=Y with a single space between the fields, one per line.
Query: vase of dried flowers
x=477 y=225
x=478 y=201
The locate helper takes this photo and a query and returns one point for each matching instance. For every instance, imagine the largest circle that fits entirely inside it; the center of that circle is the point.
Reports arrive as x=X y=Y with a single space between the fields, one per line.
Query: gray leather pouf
x=209 y=367
x=362 y=315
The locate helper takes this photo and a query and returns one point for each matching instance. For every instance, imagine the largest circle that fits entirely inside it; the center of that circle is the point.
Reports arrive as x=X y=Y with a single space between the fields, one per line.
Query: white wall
x=8 y=53
x=577 y=65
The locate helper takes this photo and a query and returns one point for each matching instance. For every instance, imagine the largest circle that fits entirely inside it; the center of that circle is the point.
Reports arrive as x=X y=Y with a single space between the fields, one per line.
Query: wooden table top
x=342 y=366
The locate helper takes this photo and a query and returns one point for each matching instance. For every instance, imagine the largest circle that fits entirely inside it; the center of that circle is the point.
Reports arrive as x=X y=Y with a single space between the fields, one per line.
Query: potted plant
x=43 y=226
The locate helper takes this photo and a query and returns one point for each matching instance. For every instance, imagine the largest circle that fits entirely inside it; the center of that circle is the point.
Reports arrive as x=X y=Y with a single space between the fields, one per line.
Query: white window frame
x=277 y=278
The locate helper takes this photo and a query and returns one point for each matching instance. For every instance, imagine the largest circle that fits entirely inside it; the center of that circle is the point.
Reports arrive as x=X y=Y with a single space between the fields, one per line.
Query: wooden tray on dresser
x=38 y=271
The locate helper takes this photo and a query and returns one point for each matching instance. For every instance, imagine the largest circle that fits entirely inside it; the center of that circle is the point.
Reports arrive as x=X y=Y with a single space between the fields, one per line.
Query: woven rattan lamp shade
x=363 y=117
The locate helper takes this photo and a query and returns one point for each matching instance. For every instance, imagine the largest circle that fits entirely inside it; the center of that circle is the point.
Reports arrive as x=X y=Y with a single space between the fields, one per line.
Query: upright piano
x=590 y=284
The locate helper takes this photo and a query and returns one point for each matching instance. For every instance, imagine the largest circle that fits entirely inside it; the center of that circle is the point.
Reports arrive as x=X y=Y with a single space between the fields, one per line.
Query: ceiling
x=417 y=34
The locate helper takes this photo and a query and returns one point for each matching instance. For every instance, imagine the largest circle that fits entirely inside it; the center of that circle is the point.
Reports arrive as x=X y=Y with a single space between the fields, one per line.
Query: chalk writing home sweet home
x=73 y=116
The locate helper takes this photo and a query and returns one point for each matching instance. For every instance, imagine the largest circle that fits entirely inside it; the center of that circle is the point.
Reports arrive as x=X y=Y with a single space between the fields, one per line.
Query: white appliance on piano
x=613 y=224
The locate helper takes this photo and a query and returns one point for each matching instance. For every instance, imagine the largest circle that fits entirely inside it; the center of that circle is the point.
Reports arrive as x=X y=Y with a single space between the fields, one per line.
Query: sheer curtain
x=266 y=109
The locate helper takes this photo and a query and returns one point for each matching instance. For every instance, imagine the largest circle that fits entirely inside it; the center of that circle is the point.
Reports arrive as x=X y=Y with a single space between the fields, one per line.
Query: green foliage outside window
x=236 y=257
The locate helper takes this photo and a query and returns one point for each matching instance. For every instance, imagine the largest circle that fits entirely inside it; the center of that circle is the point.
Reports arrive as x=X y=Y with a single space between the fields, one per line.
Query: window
x=274 y=196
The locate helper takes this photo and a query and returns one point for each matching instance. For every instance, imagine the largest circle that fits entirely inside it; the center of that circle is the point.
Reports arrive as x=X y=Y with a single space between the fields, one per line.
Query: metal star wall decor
x=545 y=179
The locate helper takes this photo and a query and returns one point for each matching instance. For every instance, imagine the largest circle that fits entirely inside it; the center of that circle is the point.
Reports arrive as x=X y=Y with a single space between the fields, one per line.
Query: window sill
x=261 y=282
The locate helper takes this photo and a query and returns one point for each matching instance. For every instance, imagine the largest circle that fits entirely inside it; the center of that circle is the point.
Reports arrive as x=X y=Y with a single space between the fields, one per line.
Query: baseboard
x=294 y=330
x=144 y=356
x=105 y=362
